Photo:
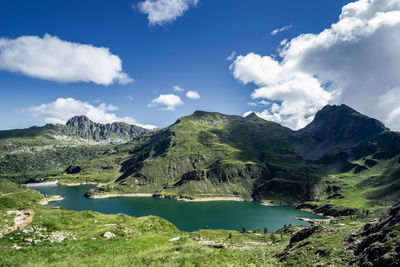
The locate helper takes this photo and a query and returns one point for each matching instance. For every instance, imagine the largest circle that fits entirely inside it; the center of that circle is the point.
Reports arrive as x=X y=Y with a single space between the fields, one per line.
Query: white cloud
x=63 y=109
x=160 y=12
x=50 y=58
x=169 y=102
x=178 y=88
x=129 y=97
x=192 y=95
x=355 y=61
x=231 y=56
x=282 y=29
x=260 y=103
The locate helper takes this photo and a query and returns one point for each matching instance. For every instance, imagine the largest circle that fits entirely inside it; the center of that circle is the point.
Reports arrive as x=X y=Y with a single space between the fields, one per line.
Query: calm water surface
x=187 y=216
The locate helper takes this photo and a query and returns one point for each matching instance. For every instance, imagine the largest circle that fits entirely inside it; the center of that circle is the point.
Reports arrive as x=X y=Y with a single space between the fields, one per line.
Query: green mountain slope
x=211 y=153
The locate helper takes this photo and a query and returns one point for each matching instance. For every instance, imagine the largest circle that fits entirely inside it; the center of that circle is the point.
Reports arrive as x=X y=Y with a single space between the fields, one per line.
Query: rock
x=359 y=169
x=73 y=169
x=174 y=239
x=57 y=237
x=16 y=247
x=370 y=163
x=304 y=233
x=327 y=210
x=374 y=248
x=108 y=235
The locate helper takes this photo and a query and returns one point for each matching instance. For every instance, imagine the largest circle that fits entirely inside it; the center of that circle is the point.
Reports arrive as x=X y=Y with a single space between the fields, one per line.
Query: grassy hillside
x=58 y=237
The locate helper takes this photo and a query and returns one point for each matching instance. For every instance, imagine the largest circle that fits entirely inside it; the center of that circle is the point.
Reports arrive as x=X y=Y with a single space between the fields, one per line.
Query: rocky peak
x=79 y=121
x=252 y=116
x=342 y=122
x=118 y=132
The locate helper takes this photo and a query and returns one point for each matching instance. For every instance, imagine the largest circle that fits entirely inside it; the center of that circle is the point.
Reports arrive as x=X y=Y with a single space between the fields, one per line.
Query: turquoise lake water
x=187 y=216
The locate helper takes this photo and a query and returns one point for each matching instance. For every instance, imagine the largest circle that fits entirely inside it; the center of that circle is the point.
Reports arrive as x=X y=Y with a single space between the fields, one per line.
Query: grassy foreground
x=59 y=237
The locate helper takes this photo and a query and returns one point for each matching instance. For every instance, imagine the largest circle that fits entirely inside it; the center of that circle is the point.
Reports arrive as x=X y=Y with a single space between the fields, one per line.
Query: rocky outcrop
x=380 y=245
x=304 y=234
x=327 y=210
x=73 y=169
x=83 y=127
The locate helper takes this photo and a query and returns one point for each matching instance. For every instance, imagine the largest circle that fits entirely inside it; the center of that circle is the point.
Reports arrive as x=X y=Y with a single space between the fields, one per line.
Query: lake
x=187 y=216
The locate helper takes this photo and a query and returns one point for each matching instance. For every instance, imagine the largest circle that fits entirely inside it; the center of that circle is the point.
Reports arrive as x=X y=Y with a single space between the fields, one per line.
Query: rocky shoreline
x=48 y=199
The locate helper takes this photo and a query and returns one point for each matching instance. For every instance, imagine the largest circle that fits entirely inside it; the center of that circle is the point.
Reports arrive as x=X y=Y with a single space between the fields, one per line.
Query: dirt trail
x=22 y=219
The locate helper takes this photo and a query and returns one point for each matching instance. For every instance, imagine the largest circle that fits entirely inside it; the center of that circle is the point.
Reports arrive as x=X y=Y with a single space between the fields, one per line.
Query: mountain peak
x=343 y=122
x=78 y=119
x=83 y=127
x=252 y=116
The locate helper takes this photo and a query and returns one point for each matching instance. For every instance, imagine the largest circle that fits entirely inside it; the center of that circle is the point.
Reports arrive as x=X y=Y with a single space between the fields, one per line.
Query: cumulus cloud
x=51 y=58
x=192 y=95
x=63 y=109
x=160 y=12
x=282 y=29
x=355 y=61
x=178 y=88
x=168 y=102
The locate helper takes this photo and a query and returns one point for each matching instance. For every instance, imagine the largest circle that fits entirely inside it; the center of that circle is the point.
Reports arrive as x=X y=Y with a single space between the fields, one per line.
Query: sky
x=149 y=62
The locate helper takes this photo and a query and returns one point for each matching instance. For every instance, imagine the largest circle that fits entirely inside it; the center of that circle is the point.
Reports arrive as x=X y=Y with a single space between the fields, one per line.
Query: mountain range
x=207 y=153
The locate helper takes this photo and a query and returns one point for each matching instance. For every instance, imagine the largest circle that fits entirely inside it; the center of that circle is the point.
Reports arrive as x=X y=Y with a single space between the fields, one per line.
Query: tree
x=273 y=238
x=265 y=230
x=244 y=229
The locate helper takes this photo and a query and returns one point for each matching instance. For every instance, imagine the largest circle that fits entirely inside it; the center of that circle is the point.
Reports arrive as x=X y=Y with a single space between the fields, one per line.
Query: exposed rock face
x=73 y=169
x=83 y=127
x=303 y=234
x=381 y=243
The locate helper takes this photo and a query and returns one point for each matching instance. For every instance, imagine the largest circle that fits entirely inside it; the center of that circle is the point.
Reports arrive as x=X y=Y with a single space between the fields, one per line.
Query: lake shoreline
x=41 y=184
x=79 y=183
x=49 y=199
x=179 y=198
x=120 y=195
x=190 y=199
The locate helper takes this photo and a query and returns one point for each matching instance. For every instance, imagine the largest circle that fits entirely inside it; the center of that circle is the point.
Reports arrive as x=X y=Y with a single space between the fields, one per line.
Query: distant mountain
x=83 y=127
x=80 y=127
x=40 y=152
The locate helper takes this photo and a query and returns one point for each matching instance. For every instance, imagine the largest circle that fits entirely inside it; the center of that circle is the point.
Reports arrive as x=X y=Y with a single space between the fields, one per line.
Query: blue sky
x=189 y=51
